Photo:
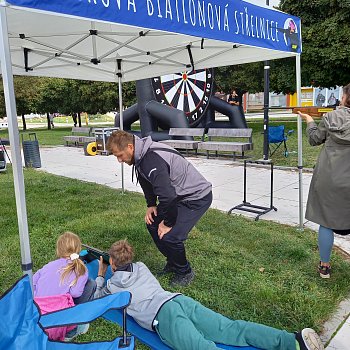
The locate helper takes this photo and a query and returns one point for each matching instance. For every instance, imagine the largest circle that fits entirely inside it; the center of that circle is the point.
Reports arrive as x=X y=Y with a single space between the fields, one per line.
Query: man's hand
x=102 y=267
x=149 y=215
x=163 y=230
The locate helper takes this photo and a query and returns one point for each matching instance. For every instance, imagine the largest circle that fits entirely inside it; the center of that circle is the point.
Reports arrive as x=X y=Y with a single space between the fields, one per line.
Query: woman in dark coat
x=329 y=196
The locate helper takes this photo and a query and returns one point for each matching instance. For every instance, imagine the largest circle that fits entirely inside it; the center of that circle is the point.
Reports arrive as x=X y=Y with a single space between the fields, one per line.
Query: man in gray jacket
x=181 y=322
x=177 y=196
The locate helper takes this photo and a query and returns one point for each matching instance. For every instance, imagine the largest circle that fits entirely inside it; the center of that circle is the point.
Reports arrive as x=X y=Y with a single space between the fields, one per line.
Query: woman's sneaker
x=324 y=271
x=308 y=339
x=80 y=329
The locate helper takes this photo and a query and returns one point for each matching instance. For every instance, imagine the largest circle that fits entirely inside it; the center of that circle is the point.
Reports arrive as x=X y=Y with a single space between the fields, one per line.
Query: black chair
x=278 y=137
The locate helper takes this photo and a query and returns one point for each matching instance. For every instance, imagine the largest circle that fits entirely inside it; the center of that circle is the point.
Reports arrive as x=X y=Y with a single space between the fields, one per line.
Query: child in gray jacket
x=183 y=323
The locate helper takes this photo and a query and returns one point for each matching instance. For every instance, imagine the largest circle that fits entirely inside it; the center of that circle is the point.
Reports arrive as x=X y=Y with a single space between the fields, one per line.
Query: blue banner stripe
x=233 y=21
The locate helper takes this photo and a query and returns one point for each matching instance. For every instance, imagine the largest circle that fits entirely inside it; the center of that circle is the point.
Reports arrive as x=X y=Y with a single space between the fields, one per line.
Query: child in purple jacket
x=65 y=275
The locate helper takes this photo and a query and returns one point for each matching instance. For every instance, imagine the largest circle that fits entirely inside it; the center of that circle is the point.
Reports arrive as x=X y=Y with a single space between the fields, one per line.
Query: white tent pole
x=10 y=101
x=120 y=95
x=300 y=143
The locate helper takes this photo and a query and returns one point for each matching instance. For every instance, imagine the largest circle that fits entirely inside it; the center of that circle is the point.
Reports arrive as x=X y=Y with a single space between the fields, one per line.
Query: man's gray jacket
x=166 y=175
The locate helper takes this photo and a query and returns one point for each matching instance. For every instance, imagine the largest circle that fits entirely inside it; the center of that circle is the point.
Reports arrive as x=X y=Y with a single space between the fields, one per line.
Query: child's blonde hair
x=67 y=244
x=121 y=253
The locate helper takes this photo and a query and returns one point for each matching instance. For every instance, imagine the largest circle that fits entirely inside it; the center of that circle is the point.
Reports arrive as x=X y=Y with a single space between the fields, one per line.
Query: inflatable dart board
x=188 y=91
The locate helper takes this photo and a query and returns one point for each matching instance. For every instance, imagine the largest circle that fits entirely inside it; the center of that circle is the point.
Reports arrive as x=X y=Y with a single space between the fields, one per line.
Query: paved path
x=227 y=180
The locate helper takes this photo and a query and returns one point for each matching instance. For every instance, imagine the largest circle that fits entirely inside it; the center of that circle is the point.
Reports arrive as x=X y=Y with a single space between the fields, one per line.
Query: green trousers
x=185 y=324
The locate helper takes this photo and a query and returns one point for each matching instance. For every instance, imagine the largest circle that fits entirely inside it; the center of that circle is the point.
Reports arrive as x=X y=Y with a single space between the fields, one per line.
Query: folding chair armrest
x=86 y=312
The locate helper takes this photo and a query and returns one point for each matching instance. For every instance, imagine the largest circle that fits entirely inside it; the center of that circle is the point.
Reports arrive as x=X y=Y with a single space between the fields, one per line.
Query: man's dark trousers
x=172 y=244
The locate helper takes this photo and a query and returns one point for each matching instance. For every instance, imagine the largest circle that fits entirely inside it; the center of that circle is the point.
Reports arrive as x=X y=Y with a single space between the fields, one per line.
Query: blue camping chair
x=22 y=325
x=145 y=336
x=277 y=137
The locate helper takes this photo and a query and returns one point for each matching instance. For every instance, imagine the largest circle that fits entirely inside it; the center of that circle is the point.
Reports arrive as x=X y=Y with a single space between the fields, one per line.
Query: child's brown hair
x=121 y=253
x=68 y=246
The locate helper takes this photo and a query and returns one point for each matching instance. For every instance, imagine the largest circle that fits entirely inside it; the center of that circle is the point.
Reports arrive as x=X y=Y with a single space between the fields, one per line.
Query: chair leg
x=285 y=149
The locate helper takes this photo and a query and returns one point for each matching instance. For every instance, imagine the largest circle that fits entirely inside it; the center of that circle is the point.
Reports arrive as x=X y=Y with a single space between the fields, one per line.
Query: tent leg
x=10 y=102
x=266 y=109
x=300 y=144
x=120 y=94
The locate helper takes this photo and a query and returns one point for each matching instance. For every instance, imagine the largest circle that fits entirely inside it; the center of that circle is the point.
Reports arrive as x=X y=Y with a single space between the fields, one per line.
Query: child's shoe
x=308 y=339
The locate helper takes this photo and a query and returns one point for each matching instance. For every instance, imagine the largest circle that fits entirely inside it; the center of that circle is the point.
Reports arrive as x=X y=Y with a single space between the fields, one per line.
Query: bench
x=79 y=136
x=216 y=143
x=182 y=138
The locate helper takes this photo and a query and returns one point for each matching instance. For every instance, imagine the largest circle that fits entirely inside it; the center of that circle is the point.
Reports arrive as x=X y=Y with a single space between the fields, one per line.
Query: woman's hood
x=338 y=125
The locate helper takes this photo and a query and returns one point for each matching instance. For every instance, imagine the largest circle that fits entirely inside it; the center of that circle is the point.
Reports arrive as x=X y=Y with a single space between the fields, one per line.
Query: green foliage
x=27 y=91
x=247 y=77
x=67 y=96
x=325 y=59
x=326 y=41
x=53 y=95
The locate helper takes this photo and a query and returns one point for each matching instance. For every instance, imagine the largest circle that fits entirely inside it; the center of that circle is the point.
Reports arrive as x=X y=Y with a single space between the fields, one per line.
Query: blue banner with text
x=233 y=21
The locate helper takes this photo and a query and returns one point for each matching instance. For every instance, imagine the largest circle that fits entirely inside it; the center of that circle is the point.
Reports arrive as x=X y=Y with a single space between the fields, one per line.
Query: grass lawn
x=227 y=252
x=45 y=137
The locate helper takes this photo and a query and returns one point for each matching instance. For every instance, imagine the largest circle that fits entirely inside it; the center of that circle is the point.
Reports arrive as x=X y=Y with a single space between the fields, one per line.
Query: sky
x=263 y=2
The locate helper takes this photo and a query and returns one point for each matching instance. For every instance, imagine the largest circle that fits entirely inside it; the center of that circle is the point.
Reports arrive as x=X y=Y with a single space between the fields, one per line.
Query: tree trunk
x=79 y=119
x=24 y=122
x=48 y=121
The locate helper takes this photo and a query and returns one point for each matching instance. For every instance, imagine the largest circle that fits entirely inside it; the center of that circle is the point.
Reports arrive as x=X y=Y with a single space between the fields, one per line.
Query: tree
x=26 y=91
x=247 y=77
x=98 y=97
x=53 y=95
x=325 y=59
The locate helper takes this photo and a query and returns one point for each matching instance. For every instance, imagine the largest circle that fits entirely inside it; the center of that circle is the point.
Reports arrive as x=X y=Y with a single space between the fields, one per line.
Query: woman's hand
x=306 y=117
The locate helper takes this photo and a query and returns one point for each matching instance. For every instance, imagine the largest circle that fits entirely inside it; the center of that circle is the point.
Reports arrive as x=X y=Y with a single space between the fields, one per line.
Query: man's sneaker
x=80 y=329
x=308 y=339
x=166 y=270
x=324 y=271
x=182 y=280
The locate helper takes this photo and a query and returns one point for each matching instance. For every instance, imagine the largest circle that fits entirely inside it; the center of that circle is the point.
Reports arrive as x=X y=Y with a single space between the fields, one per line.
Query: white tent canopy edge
x=47 y=53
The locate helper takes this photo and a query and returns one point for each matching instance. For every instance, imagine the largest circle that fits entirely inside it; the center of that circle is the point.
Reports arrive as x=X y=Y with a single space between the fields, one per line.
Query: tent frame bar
x=300 y=143
x=17 y=167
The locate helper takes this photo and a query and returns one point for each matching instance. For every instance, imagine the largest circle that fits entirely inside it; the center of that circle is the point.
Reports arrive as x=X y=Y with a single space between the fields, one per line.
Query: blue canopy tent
x=125 y=40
